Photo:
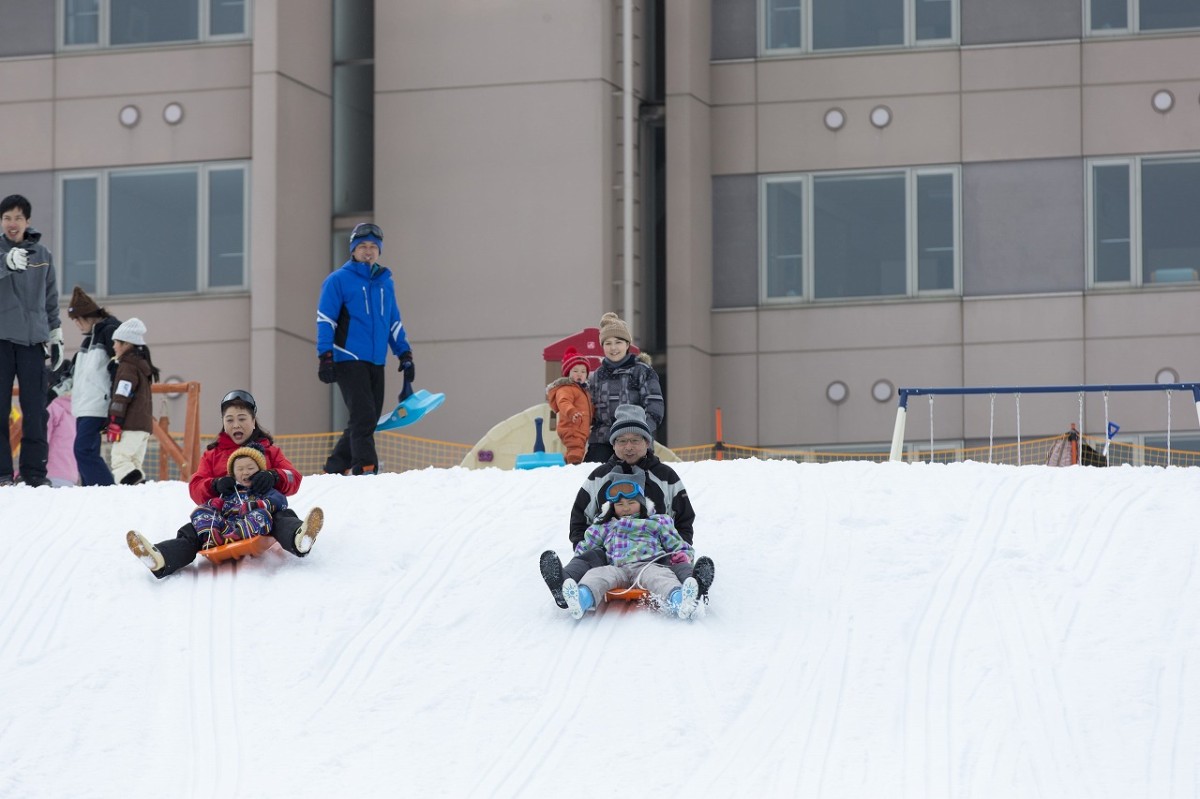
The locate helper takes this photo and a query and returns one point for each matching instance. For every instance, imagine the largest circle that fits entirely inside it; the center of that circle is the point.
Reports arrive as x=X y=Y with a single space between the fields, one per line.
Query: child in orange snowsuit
x=569 y=398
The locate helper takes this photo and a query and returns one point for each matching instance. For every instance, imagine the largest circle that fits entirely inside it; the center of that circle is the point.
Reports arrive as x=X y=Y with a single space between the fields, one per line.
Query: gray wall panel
x=38 y=188
x=734 y=29
x=991 y=22
x=1022 y=227
x=735 y=241
x=28 y=28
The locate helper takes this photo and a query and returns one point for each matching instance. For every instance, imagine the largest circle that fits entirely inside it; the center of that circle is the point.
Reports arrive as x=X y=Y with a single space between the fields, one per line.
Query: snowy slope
x=876 y=630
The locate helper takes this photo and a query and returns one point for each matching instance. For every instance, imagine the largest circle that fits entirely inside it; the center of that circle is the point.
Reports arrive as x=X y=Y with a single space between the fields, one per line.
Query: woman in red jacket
x=239 y=428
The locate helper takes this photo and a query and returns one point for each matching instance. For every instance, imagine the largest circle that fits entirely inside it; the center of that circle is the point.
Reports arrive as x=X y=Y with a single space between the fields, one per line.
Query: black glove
x=263 y=481
x=223 y=485
x=406 y=366
x=325 y=367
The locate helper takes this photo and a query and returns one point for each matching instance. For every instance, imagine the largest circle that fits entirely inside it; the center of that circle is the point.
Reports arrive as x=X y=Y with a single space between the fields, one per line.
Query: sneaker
x=34 y=482
x=704 y=572
x=6 y=480
x=146 y=552
x=552 y=573
x=133 y=478
x=570 y=592
x=689 y=598
x=308 y=531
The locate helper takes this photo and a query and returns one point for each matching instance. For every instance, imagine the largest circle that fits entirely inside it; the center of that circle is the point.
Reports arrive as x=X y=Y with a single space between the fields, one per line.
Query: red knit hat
x=572 y=358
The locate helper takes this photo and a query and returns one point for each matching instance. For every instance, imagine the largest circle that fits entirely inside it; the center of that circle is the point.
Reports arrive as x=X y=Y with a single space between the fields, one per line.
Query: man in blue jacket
x=357 y=320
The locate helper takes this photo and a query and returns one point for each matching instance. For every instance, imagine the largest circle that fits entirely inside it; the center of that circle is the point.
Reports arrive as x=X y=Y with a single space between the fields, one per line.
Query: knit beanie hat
x=612 y=326
x=630 y=485
x=131 y=331
x=253 y=453
x=571 y=359
x=630 y=419
x=366 y=231
x=82 y=305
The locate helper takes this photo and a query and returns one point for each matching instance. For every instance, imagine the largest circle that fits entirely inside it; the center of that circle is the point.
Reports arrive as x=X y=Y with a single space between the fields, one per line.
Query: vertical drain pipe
x=627 y=166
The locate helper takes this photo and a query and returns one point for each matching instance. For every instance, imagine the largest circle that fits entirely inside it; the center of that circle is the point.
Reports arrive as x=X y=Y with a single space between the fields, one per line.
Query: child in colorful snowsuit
x=240 y=512
x=640 y=546
x=90 y=381
x=130 y=414
x=239 y=427
x=621 y=379
x=569 y=398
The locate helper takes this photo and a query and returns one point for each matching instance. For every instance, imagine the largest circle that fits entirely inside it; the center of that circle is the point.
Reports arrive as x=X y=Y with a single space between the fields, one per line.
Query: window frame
x=104 y=29
x=1133 y=25
x=806 y=32
x=202 y=170
x=911 y=248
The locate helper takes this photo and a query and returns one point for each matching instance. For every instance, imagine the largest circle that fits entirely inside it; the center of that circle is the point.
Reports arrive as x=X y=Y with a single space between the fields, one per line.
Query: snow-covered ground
x=876 y=630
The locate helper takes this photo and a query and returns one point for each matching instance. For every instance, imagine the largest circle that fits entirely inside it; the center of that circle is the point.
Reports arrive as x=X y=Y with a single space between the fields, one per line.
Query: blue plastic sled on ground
x=411 y=409
x=539 y=457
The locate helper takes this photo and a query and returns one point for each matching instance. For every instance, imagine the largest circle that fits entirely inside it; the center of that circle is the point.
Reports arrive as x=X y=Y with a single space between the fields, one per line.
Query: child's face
x=615 y=348
x=121 y=347
x=627 y=507
x=238 y=423
x=578 y=373
x=243 y=469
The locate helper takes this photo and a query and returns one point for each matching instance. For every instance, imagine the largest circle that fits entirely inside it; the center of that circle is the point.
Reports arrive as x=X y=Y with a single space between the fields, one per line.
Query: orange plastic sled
x=626 y=594
x=236 y=550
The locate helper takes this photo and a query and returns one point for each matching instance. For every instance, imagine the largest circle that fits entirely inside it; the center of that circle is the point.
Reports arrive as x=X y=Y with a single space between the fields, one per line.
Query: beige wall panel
x=735 y=332
x=26 y=80
x=27 y=123
x=689 y=38
x=294 y=37
x=1141 y=59
x=895 y=325
x=164 y=70
x=1013 y=319
x=1030 y=363
x=690 y=397
x=464 y=43
x=1136 y=361
x=215 y=126
x=1020 y=67
x=493 y=194
x=1011 y=125
x=1120 y=119
x=793 y=136
x=862 y=76
x=733 y=140
x=733 y=83
x=736 y=393
x=1143 y=313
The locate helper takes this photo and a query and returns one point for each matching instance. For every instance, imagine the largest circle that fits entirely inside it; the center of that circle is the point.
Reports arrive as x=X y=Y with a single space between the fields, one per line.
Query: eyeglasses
x=625 y=441
x=366 y=229
x=244 y=397
x=622 y=489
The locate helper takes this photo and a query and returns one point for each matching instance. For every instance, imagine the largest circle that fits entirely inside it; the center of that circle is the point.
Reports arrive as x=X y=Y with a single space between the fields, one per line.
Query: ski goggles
x=240 y=396
x=622 y=489
x=366 y=229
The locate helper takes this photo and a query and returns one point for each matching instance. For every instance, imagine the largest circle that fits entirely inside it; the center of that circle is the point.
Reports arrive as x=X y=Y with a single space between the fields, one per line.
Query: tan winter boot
x=146 y=552
x=308 y=531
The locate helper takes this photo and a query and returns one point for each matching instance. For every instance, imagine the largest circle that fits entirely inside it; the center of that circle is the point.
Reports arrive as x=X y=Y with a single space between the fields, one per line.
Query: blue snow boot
x=686 y=598
x=578 y=597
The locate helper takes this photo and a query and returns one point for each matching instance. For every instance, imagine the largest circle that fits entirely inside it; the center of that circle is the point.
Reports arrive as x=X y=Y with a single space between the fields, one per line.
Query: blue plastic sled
x=539 y=457
x=411 y=410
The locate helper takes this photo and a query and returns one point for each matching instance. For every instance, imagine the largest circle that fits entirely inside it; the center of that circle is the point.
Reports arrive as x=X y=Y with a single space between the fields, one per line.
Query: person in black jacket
x=631 y=441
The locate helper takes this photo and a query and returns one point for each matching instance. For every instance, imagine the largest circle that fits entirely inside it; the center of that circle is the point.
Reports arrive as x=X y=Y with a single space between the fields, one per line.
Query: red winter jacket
x=215 y=463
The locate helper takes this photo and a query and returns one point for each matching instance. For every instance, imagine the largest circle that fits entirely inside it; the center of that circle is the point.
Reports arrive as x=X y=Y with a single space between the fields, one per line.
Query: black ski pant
x=361 y=384
x=590 y=559
x=27 y=363
x=181 y=550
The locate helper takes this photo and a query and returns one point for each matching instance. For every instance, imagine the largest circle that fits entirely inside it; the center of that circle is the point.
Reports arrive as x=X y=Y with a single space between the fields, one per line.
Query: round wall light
x=881 y=116
x=129 y=115
x=173 y=113
x=1163 y=101
x=835 y=119
x=882 y=390
x=1166 y=375
x=836 y=392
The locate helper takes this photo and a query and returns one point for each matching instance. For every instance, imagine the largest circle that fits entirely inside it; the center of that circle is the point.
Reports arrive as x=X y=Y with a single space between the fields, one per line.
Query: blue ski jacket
x=357 y=315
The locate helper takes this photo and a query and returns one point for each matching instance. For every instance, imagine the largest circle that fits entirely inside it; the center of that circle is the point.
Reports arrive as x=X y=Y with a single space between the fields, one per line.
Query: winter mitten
x=216 y=503
x=17 y=259
x=264 y=481
x=406 y=366
x=54 y=349
x=325 y=368
x=679 y=557
x=223 y=485
x=113 y=431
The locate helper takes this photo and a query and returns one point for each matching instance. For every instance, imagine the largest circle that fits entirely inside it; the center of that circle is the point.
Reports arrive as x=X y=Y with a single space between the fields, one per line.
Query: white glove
x=54 y=349
x=17 y=259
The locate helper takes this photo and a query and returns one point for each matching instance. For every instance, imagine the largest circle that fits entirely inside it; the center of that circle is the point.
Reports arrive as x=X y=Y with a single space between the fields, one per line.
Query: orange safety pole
x=1074 y=445
x=719 y=447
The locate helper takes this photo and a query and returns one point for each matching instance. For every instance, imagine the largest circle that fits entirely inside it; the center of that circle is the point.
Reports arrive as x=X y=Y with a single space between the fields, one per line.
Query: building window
x=844 y=236
x=178 y=230
x=1105 y=17
x=125 y=23
x=1142 y=221
x=818 y=25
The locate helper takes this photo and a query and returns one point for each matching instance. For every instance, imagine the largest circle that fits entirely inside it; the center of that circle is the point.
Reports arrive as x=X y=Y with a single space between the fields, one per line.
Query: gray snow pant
x=590 y=559
x=654 y=577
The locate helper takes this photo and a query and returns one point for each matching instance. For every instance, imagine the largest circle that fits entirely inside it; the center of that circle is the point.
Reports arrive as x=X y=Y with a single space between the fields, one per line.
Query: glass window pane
x=353 y=138
x=857 y=23
x=1107 y=15
x=1110 y=223
x=785 y=239
x=226 y=17
x=935 y=232
x=144 y=21
x=783 y=24
x=152 y=232
x=81 y=22
x=354 y=30
x=226 y=227
x=859 y=236
x=78 y=256
x=1156 y=15
x=933 y=20
x=1169 y=210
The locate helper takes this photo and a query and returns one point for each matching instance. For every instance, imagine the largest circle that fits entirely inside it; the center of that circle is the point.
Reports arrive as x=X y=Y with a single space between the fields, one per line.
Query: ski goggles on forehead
x=366 y=229
x=244 y=397
x=622 y=489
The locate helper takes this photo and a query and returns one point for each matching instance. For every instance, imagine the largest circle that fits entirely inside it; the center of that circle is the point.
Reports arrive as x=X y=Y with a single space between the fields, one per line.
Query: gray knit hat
x=630 y=419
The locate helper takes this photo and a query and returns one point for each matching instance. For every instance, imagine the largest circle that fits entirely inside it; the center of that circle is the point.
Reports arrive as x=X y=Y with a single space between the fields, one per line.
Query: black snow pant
x=26 y=362
x=581 y=564
x=361 y=384
x=181 y=550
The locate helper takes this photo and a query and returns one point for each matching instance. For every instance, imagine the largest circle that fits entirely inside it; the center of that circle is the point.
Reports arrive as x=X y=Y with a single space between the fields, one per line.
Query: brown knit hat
x=253 y=453
x=82 y=305
x=612 y=326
